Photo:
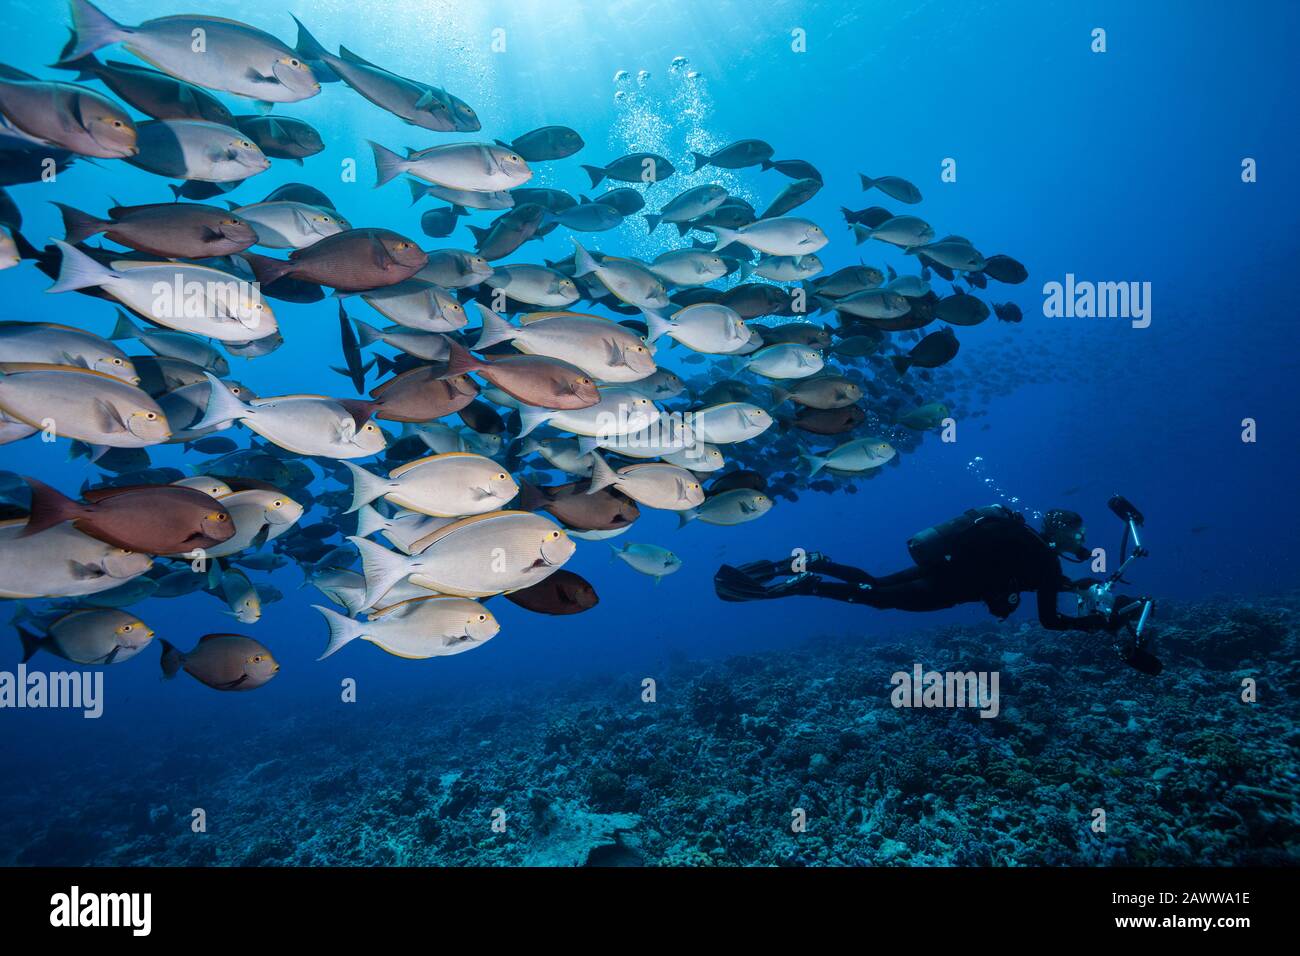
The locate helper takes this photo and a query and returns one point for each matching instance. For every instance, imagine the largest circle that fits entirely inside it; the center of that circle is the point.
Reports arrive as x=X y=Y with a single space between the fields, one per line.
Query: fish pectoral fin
x=112 y=655
x=301 y=220
x=75 y=361
x=380 y=255
x=85 y=572
x=231 y=685
x=426 y=100
x=107 y=417
x=252 y=73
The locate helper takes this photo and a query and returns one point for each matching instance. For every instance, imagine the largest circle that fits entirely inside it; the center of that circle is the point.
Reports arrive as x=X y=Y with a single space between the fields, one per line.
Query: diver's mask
x=1065 y=532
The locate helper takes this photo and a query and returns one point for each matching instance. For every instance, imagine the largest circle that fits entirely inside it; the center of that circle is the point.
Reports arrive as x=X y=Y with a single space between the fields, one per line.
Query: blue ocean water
x=1117 y=166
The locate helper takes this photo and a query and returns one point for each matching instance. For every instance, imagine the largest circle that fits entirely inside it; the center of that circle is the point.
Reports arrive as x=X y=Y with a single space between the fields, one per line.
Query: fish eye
x=118 y=362
x=555 y=534
x=259 y=307
x=502 y=476
x=515 y=159
x=482 y=617
x=277 y=503
x=246 y=144
x=369 y=428
x=126 y=628
x=150 y=416
x=294 y=62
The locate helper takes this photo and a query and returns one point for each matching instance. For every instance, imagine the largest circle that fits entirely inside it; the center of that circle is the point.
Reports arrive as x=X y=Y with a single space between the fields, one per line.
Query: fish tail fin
x=87 y=66
x=388 y=165
x=31 y=642
x=597 y=175
x=79 y=226
x=746 y=269
x=223 y=409
x=724 y=237
x=653 y=219
x=765 y=165
x=587 y=444
x=531 y=417
x=171 y=659
x=266 y=269
x=686 y=517
x=418 y=189
x=583 y=263
x=78 y=270
x=307 y=47
x=860 y=233
x=343 y=630
x=123 y=328
x=779 y=395
x=815 y=462
x=367 y=334
x=700 y=160
x=369 y=520
x=901 y=363
x=460 y=362
x=49 y=507
x=657 y=325
x=495 y=329
x=867 y=181
x=91 y=30
x=531 y=497
x=26 y=250
x=366 y=487
x=602 y=476
x=382 y=568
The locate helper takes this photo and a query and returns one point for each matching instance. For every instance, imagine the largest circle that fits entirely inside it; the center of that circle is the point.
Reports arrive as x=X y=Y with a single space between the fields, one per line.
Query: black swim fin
x=733 y=584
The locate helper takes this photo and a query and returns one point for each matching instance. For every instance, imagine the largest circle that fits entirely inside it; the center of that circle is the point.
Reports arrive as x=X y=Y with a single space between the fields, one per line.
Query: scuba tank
x=933 y=546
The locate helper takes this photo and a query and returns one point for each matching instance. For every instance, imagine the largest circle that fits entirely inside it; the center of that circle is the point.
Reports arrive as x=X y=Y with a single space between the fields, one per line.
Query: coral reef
x=733 y=752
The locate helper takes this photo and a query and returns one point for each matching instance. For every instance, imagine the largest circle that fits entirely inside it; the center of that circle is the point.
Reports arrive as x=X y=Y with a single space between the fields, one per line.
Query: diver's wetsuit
x=992 y=561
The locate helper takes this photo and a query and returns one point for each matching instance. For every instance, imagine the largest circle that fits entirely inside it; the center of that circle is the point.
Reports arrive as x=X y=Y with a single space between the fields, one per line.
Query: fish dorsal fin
x=12 y=367
x=403 y=469
x=434 y=537
x=350 y=57
x=96 y=495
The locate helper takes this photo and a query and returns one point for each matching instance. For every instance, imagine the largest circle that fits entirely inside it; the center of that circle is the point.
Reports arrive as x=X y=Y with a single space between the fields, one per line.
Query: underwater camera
x=1129 y=613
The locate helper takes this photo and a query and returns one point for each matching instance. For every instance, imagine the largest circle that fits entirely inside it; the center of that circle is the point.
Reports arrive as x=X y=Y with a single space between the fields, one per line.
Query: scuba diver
x=987 y=555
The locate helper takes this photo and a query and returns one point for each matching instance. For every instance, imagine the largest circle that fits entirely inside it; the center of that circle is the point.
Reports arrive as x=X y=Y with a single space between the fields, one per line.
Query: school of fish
x=502 y=413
